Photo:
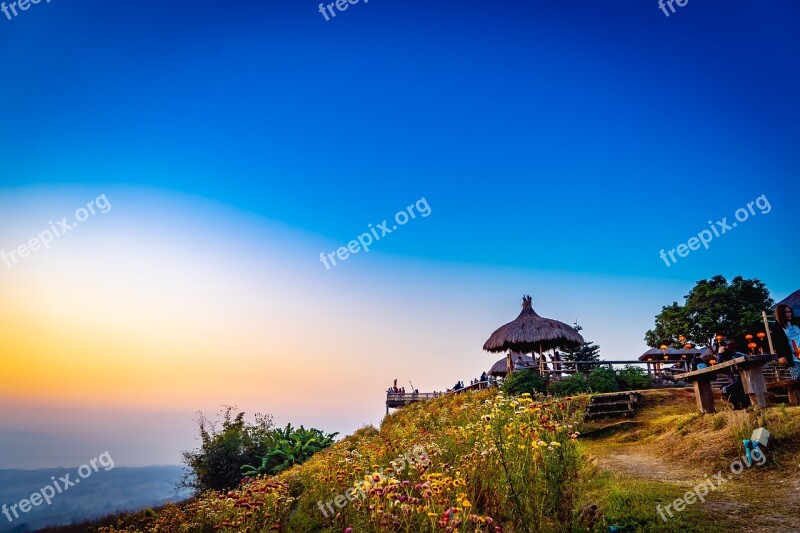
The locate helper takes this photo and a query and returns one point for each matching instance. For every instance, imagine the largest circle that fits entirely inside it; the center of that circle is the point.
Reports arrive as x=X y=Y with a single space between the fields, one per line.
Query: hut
x=500 y=368
x=793 y=301
x=530 y=333
x=658 y=360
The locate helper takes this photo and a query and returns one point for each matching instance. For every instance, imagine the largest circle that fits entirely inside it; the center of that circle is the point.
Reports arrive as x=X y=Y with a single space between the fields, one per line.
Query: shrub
x=603 y=380
x=633 y=378
x=292 y=447
x=255 y=448
x=522 y=381
x=575 y=384
x=217 y=464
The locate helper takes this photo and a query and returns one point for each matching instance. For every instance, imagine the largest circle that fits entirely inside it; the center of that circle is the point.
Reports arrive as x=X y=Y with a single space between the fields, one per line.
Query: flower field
x=473 y=462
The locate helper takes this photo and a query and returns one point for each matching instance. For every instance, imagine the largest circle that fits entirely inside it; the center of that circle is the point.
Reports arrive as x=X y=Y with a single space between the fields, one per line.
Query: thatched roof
x=500 y=367
x=674 y=354
x=531 y=333
x=793 y=300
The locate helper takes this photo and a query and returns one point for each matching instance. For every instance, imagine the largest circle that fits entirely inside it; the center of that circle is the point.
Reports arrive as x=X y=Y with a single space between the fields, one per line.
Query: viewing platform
x=395 y=400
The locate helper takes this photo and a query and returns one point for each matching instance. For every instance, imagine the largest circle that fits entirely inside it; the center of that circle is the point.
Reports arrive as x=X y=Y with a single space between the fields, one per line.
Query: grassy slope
x=669 y=448
x=625 y=470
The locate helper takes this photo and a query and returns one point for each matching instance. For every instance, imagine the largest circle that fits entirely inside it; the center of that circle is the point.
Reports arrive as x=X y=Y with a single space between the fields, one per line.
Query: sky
x=209 y=157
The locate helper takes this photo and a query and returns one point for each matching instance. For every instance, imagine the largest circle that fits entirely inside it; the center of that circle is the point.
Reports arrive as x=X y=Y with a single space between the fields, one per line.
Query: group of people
x=460 y=384
x=534 y=362
x=399 y=390
x=785 y=333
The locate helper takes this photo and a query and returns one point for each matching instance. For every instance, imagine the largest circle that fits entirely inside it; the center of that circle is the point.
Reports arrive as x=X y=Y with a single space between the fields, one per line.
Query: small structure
x=500 y=368
x=395 y=400
x=793 y=301
x=530 y=333
x=660 y=361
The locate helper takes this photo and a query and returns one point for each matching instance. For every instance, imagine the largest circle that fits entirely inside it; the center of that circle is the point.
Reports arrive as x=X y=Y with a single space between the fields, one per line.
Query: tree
x=713 y=307
x=587 y=351
x=217 y=464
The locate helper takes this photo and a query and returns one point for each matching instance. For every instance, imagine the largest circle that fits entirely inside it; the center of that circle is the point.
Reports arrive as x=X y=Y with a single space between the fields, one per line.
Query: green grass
x=630 y=504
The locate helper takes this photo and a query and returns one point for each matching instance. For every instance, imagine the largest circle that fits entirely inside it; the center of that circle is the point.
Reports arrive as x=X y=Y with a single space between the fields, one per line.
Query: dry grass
x=669 y=443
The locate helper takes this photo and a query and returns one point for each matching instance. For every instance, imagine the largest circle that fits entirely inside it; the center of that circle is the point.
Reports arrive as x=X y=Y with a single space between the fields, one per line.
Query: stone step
x=609 y=406
x=607 y=414
x=615 y=397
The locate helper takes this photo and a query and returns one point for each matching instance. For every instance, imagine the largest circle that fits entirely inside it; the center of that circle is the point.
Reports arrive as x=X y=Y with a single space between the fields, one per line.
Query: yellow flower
x=466 y=504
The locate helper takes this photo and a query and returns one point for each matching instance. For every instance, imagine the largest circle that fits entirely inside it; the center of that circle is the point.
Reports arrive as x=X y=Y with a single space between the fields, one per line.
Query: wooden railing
x=475 y=386
x=398 y=399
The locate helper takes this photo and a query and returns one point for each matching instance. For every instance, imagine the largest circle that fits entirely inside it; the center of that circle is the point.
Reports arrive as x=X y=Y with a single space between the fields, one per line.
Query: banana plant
x=292 y=446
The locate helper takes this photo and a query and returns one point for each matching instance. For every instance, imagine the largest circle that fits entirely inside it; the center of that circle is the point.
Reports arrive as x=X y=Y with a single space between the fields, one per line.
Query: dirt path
x=632 y=462
x=755 y=501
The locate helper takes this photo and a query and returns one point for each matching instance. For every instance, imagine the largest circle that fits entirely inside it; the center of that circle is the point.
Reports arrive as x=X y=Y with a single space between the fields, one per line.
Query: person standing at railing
x=786 y=339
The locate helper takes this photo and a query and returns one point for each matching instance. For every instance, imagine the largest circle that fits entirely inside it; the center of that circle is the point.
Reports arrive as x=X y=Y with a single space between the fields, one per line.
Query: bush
x=575 y=384
x=633 y=378
x=255 y=448
x=217 y=464
x=522 y=381
x=603 y=380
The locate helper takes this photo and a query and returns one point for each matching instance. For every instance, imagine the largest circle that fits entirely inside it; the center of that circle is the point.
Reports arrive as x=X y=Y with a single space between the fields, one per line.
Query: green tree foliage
x=603 y=379
x=575 y=384
x=217 y=464
x=292 y=447
x=527 y=380
x=713 y=306
x=633 y=378
x=236 y=444
x=588 y=351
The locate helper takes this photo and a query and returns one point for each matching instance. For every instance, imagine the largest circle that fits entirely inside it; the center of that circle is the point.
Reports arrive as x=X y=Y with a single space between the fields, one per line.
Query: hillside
x=485 y=462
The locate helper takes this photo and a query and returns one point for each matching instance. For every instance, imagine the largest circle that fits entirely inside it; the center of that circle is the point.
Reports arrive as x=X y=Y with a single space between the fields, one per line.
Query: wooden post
x=754 y=386
x=769 y=335
x=704 y=395
x=793 y=392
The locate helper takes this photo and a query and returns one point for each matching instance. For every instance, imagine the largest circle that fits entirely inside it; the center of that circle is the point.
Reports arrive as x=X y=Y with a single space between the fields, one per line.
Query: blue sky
x=579 y=136
x=560 y=145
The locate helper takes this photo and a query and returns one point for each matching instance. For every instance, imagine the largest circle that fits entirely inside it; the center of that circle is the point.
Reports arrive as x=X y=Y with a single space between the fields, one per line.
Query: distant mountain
x=102 y=493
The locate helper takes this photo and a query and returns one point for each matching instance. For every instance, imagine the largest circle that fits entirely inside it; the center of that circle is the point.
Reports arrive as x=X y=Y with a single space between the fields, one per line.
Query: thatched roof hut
x=672 y=355
x=500 y=368
x=793 y=301
x=531 y=333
